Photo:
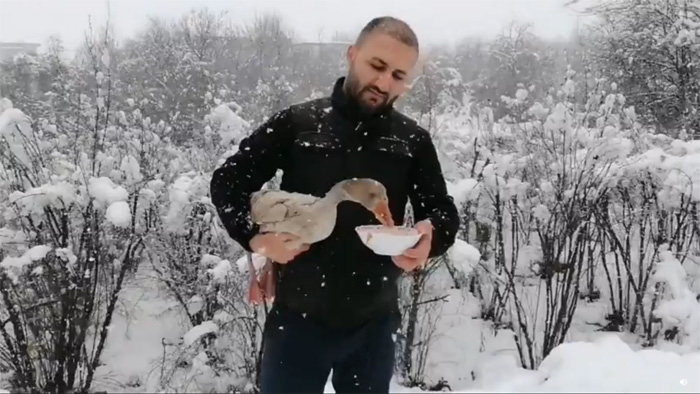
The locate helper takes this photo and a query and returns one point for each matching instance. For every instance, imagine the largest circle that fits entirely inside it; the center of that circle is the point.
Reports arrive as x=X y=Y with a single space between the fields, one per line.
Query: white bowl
x=388 y=241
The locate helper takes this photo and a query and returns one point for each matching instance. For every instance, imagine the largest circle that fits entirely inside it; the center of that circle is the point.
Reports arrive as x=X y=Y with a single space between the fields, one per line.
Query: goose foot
x=262 y=288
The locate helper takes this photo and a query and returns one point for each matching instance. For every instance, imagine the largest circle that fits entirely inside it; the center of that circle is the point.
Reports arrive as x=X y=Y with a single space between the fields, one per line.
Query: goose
x=310 y=218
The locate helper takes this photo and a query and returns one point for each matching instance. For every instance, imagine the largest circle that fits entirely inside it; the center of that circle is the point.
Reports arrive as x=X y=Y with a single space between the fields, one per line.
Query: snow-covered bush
x=221 y=350
x=84 y=185
x=677 y=307
x=188 y=233
x=570 y=203
x=74 y=214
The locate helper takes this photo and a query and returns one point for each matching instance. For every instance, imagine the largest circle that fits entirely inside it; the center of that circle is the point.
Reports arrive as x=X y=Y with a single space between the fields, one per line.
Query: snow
x=220 y=271
x=464 y=256
x=605 y=365
x=155 y=185
x=105 y=192
x=11 y=116
x=463 y=190
x=195 y=304
x=462 y=341
x=131 y=169
x=209 y=260
x=36 y=199
x=119 y=214
x=541 y=212
x=147 y=196
x=145 y=323
x=670 y=270
x=15 y=129
x=681 y=309
x=199 y=331
x=521 y=94
x=14 y=265
x=34 y=254
x=66 y=255
x=231 y=125
x=8 y=236
x=38 y=252
x=187 y=189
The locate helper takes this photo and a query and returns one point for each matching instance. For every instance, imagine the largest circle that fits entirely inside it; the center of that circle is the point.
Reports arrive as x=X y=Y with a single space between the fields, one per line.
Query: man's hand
x=278 y=247
x=418 y=255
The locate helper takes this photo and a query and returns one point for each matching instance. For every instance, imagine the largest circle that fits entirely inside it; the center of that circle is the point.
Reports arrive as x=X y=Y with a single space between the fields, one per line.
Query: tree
x=649 y=48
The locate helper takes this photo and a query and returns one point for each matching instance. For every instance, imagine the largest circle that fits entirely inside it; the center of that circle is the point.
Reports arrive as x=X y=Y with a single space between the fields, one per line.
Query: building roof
x=18 y=45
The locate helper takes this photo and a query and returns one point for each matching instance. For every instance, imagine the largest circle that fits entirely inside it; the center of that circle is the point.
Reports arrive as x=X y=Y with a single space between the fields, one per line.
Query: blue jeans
x=299 y=355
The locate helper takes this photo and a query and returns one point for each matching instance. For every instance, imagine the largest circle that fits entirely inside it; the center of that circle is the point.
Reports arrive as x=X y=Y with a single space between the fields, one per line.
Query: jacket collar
x=350 y=108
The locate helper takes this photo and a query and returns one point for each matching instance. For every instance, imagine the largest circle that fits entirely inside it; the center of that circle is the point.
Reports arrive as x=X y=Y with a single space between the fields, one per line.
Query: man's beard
x=355 y=91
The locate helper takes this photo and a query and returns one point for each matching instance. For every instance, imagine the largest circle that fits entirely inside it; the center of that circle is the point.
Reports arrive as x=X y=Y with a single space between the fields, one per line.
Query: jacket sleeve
x=429 y=197
x=256 y=162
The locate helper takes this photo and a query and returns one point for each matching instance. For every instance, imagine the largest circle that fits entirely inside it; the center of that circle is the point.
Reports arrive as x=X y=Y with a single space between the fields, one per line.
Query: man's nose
x=384 y=82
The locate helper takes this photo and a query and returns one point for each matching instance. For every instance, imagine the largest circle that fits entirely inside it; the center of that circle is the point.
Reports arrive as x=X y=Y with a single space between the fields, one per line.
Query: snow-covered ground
x=605 y=365
x=146 y=321
x=463 y=348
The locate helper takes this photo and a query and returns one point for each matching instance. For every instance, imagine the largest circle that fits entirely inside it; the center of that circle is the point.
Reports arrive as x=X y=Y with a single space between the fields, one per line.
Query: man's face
x=379 y=70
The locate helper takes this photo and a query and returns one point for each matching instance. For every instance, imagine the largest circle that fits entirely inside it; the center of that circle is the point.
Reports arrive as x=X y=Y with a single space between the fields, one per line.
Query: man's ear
x=418 y=70
x=351 y=53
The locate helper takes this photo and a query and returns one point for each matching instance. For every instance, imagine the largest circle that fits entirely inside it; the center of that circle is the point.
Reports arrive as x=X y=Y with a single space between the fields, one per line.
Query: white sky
x=435 y=21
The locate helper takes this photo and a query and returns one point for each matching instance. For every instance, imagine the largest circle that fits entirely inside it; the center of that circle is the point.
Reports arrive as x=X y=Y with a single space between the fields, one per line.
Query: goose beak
x=383 y=214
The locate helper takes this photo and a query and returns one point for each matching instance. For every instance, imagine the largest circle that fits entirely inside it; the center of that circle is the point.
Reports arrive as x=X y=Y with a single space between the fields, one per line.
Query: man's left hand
x=418 y=255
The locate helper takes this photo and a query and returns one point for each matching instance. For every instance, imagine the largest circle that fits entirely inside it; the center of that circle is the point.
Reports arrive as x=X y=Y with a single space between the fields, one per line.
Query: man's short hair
x=391 y=26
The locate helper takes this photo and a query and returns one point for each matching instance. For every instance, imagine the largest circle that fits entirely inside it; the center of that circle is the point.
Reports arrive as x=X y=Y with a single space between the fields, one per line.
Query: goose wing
x=274 y=206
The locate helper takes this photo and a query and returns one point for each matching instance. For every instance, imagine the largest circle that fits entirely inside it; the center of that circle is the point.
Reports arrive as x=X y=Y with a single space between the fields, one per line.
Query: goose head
x=370 y=194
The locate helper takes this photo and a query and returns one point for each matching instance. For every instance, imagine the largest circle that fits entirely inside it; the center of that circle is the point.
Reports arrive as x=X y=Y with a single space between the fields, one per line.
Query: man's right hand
x=276 y=246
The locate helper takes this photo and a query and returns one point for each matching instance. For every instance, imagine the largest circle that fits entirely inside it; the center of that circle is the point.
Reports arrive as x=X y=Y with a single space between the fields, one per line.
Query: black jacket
x=316 y=144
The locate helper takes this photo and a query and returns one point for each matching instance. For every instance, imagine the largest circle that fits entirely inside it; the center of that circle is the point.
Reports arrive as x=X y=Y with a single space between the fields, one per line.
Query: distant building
x=8 y=50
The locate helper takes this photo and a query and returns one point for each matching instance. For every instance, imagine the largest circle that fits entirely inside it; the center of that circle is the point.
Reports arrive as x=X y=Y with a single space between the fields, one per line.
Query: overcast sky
x=435 y=21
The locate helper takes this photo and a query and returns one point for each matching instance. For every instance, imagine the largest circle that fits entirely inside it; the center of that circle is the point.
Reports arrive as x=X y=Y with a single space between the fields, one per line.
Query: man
x=336 y=302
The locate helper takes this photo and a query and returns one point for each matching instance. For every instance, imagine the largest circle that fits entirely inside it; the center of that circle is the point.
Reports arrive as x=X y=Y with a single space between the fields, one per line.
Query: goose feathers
x=271 y=206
